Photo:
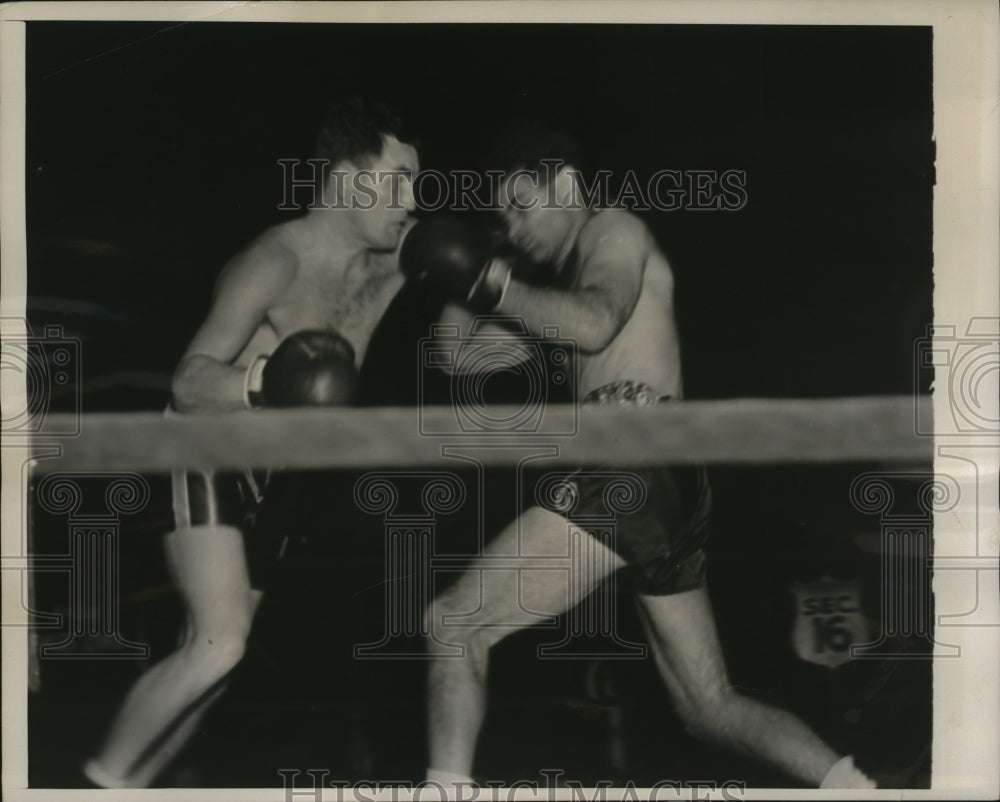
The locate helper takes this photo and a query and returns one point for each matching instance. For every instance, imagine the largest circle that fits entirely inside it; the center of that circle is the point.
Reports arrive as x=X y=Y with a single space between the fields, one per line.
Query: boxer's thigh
x=538 y=566
x=206 y=551
x=209 y=567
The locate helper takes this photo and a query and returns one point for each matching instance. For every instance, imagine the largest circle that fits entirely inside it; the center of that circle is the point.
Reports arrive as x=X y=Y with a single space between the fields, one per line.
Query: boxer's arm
x=457 y=315
x=206 y=380
x=515 y=352
x=613 y=256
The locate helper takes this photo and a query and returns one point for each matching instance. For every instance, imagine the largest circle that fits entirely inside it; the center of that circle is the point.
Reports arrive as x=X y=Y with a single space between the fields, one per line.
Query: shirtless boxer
x=613 y=295
x=331 y=269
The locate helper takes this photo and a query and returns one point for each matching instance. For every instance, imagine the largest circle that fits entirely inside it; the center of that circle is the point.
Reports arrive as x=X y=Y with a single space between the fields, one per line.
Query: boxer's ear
x=337 y=183
x=345 y=182
x=566 y=194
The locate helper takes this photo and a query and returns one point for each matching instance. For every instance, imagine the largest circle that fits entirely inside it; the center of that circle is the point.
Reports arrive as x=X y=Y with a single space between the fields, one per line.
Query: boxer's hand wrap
x=253 y=381
x=504 y=286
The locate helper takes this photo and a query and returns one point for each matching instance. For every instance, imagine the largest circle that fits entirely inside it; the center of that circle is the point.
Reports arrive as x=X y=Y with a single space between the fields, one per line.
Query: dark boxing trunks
x=228 y=498
x=656 y=519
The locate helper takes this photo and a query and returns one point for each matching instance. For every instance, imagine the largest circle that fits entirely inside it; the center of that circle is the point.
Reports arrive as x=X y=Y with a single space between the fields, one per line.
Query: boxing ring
x=742 y=431
x=888 y=431
x=410 y=442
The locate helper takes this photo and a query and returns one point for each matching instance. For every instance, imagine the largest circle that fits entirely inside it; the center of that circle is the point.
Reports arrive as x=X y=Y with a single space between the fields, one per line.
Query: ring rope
x=739 y=431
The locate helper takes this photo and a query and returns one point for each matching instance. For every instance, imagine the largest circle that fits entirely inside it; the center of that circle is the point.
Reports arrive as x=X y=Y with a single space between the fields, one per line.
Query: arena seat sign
x=828 y=620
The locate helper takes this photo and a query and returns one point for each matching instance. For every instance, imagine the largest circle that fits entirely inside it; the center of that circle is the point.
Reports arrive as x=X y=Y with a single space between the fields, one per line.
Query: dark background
x=152 y=157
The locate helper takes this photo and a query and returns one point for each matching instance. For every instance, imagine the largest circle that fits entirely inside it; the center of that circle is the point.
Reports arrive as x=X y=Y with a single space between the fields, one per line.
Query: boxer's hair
x=352 y=131
x=529 y=145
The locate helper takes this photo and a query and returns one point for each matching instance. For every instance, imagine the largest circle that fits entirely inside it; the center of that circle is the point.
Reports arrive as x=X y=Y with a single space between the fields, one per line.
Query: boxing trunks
x=206 y=497
x=656 y=518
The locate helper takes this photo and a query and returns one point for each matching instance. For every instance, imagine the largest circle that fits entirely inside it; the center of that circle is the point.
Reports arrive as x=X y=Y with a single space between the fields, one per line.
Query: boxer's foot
x=844 y=774
x=450 y=781
x=94 y=776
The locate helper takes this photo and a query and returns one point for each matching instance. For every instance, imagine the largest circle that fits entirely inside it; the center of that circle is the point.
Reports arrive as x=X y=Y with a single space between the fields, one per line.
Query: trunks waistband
x=625 y=392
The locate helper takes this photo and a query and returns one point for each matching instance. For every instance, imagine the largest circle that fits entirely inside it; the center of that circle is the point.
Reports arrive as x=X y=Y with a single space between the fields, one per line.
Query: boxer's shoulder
x=269 y=262
x=614 y=229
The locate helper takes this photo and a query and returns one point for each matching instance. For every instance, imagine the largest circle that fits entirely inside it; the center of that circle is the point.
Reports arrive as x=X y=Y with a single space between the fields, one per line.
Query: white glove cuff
x=506 y=284
x=253 y=381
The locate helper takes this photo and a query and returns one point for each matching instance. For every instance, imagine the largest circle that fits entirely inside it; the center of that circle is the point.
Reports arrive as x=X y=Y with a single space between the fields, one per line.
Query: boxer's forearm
x=584 y=316
x=204 y=384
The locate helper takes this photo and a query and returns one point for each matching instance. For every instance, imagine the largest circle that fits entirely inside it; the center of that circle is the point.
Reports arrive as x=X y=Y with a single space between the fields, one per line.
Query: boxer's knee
x=445 y=629
x=701 y=724
x=441 y=639
x=211 y=657
x=214 y=648
x=705 y=712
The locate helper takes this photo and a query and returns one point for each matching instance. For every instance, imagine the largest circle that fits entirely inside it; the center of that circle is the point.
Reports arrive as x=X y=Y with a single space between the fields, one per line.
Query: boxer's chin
x=389 y=239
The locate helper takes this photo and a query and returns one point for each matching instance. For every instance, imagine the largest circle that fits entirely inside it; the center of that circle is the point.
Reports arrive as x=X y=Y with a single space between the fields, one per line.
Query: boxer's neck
x=332 y=241
x=578 y=221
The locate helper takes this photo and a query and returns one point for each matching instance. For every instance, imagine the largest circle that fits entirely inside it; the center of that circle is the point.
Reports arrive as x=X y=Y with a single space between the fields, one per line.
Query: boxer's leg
x=682 y=634
x=501 y=601
x=163 y=753
x=209 y=566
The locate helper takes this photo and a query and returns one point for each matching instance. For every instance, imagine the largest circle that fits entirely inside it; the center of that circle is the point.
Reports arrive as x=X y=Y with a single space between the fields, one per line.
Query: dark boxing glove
x=312 y=368
x=457 y=256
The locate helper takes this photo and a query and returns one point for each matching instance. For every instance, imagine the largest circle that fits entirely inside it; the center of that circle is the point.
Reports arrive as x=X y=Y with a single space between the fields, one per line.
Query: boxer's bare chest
x=349 y=298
